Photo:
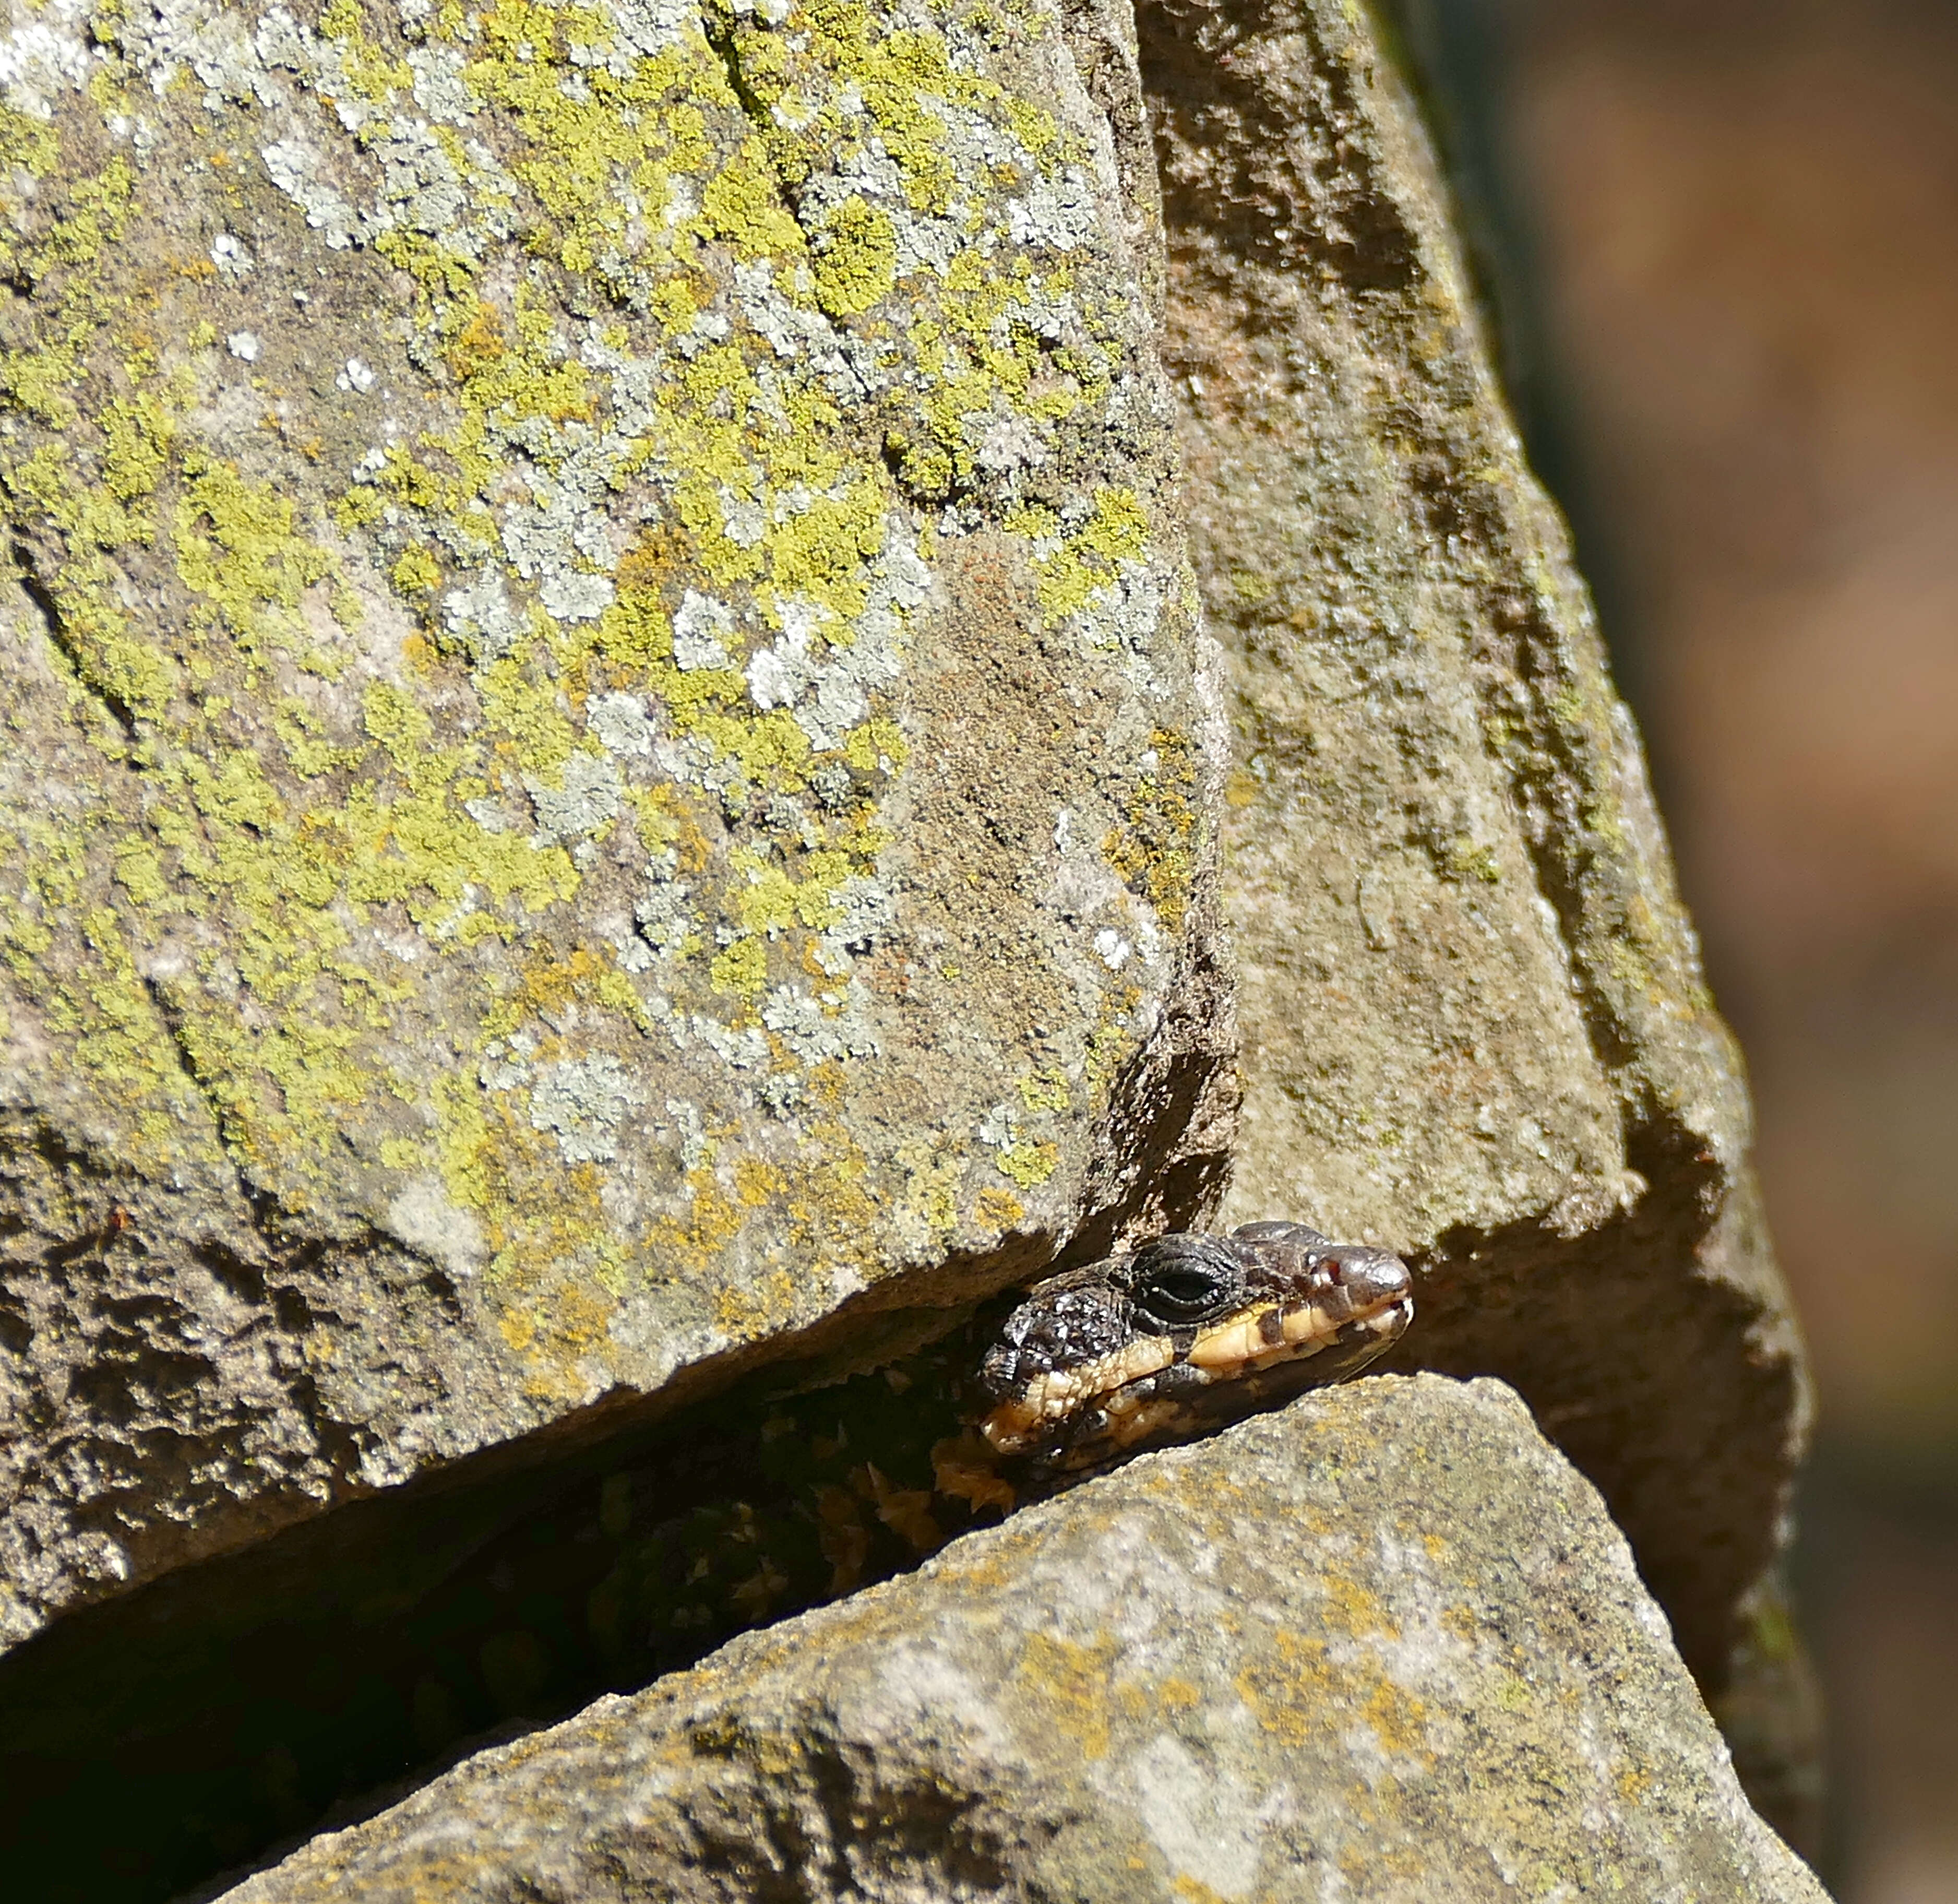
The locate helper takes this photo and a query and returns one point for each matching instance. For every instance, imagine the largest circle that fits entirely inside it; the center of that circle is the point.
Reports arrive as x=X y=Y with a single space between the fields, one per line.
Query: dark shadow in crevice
x=1646 y=1370
x=205 y=1723
x=196 y=1724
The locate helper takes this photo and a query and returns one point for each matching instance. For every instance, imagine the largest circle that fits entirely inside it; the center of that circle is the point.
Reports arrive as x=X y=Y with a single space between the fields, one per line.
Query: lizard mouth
x=1188 y=1333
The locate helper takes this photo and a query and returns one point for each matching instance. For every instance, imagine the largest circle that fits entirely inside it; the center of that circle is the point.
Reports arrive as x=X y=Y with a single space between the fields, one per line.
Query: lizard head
x=1178 y=1337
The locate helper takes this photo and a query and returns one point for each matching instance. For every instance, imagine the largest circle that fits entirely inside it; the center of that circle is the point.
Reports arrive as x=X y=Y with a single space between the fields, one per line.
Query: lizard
x=1183 y=1335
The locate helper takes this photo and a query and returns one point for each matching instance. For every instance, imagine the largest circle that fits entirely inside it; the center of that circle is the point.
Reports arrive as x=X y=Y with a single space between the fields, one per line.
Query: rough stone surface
x=606 y=746
x=1385 y=1644
x=1475 y=1026
x=609 y=773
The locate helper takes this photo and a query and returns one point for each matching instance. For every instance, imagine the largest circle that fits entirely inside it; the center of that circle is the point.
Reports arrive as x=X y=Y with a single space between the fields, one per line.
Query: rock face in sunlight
x=1475 y=1026
x=607 y=747
x=1386 y=1643
x=617 y=811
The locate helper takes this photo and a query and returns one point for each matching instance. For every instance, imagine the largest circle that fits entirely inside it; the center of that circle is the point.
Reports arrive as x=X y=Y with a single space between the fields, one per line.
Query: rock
x=609 y=762
x=1474 y=1025
x=1384 y=1644
x=610 y=813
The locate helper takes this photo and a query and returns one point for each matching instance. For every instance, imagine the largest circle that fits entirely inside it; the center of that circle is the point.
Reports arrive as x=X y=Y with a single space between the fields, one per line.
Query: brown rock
x=1384 y=1645
x=1475 y=1026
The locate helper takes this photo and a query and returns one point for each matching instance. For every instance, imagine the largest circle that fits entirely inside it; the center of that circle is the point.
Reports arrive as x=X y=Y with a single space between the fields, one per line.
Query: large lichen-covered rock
x=607 y=770
x=605 y=749
x=1384 y=1645
x=1474 y=1025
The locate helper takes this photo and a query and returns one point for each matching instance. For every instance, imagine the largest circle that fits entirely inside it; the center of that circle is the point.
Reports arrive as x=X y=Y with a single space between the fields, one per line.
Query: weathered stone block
x=1384 y=1645
x=606 y=751
x=1474 y=1025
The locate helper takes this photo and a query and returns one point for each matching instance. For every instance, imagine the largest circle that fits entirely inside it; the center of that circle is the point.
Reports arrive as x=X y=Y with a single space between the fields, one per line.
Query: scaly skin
x=1187 y=1333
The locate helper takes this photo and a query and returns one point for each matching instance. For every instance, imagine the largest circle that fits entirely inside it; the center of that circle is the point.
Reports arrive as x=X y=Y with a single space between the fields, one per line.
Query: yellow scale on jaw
x=1175 y=1336
x=1243 y=1341
x=1050 y=1397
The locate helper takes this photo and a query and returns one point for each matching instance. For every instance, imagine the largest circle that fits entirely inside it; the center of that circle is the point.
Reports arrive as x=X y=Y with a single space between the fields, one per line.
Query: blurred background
x=1720 y=240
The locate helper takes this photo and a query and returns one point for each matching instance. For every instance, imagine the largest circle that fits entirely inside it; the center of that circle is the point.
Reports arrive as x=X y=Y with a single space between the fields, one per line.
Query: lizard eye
x=1184 y=1293
x=1182 y=1281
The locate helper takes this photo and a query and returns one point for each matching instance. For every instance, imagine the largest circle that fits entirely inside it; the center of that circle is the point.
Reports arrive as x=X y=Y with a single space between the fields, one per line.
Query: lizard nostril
x=1334 y=1274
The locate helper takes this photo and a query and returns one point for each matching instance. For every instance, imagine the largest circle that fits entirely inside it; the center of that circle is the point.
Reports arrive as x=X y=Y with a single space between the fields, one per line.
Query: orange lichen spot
x=1196 y=1889
x=479 y=346
x=756 y=1181
x=1398 y=1719
x=1354 y=1609
x=1071 y=1681
x=997 y=1209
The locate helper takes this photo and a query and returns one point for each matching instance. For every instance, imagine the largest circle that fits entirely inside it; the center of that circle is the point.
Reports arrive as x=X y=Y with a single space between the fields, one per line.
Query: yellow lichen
x=1155 y=850
x=856 y=258
x=1030 y=1164
x=1069 y=1681
x=336 y=760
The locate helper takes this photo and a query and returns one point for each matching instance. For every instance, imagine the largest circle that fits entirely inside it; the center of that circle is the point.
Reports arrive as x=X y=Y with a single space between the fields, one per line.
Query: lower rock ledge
x=1383 y=1645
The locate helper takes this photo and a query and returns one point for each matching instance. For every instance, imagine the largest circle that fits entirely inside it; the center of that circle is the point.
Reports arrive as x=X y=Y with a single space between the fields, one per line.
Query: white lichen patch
x=44 y=55
x=422 y=1217
x=582 y=1102
x=585 y=797
x=553 y=436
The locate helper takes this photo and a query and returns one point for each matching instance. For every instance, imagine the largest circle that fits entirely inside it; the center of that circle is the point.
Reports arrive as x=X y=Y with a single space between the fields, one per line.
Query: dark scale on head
x=1072 y=1326
x=1186 y=1333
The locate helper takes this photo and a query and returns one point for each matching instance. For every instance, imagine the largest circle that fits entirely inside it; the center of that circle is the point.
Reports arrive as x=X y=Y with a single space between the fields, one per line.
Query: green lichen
x=1154 y=850
x=1074 y=563
x=240 y=549
x=259 y=617
x=1030 y=1164
x=1470 y=859
x=856 y=258
x=1046 y=1090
